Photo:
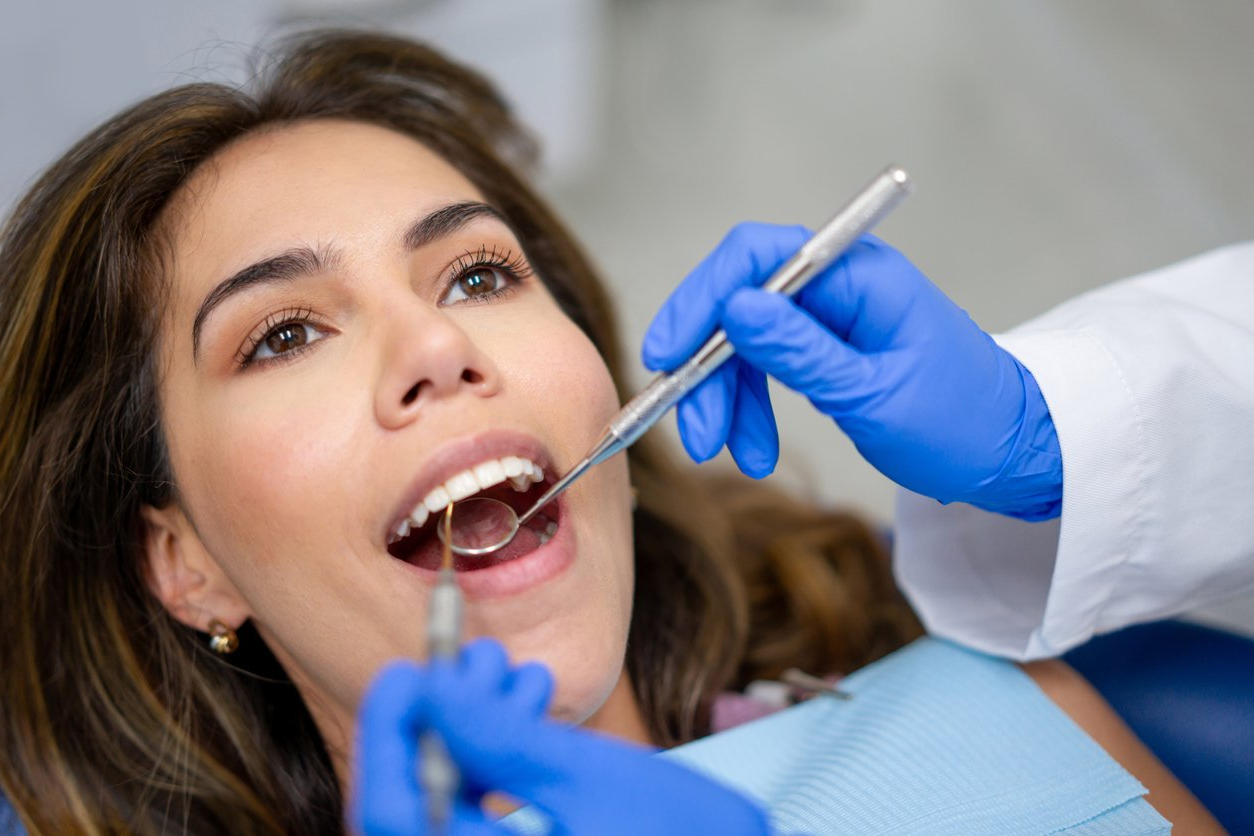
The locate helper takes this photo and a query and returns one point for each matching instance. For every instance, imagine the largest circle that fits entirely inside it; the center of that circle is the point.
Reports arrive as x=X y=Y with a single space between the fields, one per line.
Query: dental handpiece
x=862 y=213
x=438 y=774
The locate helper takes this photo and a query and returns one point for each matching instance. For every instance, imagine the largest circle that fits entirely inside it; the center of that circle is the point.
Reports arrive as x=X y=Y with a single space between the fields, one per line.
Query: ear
x=186 y=579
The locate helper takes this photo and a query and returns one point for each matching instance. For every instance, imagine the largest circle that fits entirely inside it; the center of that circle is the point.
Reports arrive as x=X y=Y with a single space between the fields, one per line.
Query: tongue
x=525 y=542
x=430 y=554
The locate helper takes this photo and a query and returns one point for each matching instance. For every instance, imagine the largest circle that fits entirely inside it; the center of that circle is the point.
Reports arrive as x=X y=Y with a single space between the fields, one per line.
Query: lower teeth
x=546 y=534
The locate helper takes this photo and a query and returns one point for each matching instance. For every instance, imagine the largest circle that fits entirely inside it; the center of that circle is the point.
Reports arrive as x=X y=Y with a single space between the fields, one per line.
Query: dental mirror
x=479 y=526
x=482 y=525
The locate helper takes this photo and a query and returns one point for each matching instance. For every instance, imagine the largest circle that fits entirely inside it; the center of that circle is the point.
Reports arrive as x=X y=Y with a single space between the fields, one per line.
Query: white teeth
x=521 y=474
x=437 y=500
x=462 y=485
x=490 y=473
x=546 y=534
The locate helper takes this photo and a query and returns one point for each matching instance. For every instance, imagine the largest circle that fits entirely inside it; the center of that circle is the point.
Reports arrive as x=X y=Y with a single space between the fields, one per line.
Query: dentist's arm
x=491 y=717
x=1150 y=394
x=1151 y=384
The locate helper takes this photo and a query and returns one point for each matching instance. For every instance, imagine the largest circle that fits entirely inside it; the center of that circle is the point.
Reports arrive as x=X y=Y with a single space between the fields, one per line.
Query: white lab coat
x=1150 y=382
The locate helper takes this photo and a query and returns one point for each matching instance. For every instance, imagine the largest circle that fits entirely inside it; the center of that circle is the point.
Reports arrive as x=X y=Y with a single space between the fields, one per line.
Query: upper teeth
x=521 y=474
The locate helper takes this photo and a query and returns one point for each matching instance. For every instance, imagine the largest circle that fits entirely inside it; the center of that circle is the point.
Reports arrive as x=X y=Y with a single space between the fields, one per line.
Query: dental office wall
x=1056 y=145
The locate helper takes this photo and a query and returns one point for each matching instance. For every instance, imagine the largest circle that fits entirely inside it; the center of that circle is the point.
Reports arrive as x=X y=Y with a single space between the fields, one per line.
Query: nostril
x=469 y=376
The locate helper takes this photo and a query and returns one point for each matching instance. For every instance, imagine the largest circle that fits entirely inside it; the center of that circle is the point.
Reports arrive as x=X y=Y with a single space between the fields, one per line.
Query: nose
x=429 y=358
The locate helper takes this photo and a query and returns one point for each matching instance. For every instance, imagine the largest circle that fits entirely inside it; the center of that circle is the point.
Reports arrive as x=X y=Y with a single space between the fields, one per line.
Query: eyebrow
x=303 y=261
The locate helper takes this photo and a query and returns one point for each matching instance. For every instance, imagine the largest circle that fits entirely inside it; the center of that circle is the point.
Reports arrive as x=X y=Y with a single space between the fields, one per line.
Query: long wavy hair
x=113 y=716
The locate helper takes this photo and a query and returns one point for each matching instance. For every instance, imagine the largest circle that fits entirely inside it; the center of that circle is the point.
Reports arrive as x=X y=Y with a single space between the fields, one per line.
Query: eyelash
x=513 y=266
x=279 y=319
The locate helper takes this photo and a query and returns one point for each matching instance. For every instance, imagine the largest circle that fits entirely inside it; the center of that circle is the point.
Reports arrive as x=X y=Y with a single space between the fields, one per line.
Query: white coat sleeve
x=1150 y=382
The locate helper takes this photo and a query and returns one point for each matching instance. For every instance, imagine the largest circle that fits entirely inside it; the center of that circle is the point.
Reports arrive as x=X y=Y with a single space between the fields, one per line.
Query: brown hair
x=115 y=717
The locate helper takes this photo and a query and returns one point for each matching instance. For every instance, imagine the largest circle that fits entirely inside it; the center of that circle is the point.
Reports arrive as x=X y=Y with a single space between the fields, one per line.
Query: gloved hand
x=491 y=718
x=927 y=397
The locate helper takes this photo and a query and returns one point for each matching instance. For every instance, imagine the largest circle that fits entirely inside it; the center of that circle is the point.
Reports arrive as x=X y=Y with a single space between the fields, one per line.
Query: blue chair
x=9 y=824
x=1188 y=693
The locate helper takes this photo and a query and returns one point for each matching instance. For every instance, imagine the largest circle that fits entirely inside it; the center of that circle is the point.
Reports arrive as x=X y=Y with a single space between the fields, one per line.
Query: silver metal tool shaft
x=444 y=620
x=667 y=389
x=438 y=774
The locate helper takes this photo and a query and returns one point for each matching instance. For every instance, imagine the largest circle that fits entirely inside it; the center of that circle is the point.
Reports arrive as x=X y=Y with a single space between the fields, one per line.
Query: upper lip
x=463 y=453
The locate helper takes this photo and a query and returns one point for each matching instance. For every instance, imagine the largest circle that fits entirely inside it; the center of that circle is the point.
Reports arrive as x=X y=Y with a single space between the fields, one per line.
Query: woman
x=247 y=340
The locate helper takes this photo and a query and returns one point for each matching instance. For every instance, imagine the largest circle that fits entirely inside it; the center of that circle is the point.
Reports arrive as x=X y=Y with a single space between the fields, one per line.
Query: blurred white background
x=1056 y=145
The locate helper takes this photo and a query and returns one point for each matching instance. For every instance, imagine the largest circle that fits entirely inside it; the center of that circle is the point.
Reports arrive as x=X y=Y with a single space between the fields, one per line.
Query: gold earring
x=222 y=639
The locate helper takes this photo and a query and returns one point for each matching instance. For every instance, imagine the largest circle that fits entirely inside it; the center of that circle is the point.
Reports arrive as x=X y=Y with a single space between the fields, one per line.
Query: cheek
x=561 y=374
x=582 y=634
x=247 y=464
x=270 y=483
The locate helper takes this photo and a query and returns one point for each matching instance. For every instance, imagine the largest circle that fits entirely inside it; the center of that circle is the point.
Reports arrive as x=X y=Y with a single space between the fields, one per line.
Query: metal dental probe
x=438 y=773
x=644 y=410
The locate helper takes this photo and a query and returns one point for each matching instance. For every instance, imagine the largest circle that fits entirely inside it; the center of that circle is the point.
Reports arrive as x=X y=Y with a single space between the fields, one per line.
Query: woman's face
x=351 y=331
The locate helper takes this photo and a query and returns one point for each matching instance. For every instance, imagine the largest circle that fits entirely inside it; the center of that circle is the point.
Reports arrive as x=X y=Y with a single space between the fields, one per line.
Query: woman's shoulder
x=1072 y=693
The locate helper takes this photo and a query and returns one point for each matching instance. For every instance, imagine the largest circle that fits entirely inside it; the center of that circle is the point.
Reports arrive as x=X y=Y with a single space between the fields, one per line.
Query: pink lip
x=461 y=454
x=518 y=575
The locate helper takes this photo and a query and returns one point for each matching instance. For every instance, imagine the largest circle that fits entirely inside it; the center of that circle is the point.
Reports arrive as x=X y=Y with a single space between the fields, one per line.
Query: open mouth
x=515 y=481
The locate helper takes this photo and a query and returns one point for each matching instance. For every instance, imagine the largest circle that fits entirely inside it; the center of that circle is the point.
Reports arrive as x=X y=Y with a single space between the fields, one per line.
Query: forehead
x=314 y=183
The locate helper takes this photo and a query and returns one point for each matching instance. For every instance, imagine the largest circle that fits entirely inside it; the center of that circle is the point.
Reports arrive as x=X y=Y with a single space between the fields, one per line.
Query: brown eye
x=482 y=282
x=286 y=337
x=478 y=282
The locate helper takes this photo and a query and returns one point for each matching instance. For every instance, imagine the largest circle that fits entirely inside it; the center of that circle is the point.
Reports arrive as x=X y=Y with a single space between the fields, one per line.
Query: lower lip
x=521 y=574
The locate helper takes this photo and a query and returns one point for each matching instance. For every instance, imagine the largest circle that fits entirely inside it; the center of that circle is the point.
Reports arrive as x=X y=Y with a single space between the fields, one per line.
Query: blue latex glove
x=927 y=397
x=491 y=718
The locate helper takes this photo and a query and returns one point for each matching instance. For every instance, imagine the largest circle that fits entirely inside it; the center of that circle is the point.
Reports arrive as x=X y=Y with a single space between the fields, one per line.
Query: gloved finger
x=606 y=798
x=754 y=439
x=705 y=413
x=746 y=257
x=531 y=687
x=469 y=818
x=554 y=767
x=471 y=683
x=387 y=796
x=482 y=667
x=777 y=337
x=472 y=821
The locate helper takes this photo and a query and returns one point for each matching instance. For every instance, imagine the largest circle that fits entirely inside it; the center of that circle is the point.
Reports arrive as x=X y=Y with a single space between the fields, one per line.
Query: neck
x=336 y=727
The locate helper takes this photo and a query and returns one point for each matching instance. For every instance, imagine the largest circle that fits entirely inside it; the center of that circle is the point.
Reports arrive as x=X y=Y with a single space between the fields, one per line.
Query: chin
x=575 y=702
x=586 y=659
